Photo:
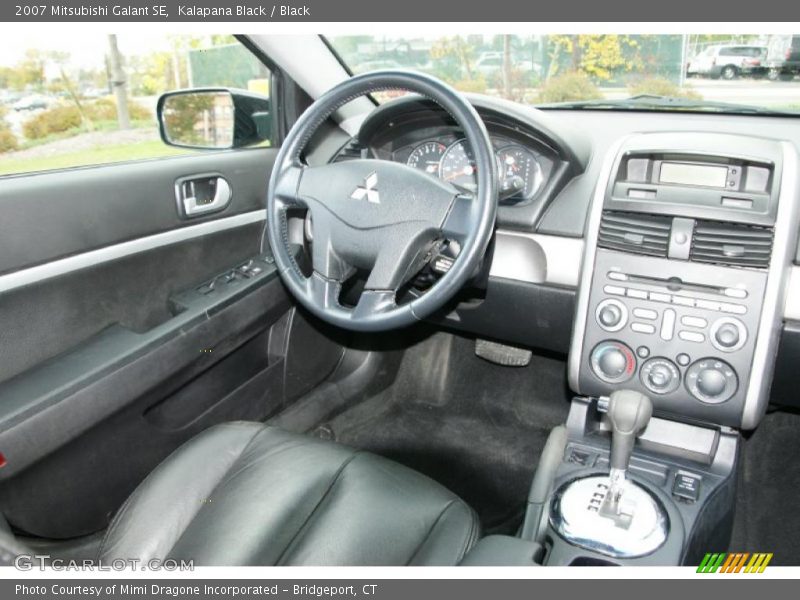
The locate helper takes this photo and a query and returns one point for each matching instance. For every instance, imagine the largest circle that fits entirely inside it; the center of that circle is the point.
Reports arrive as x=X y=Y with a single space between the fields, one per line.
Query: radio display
x=693 y=174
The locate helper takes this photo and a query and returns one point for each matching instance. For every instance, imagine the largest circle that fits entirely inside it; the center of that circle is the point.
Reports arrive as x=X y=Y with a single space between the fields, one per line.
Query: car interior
x=437 y=329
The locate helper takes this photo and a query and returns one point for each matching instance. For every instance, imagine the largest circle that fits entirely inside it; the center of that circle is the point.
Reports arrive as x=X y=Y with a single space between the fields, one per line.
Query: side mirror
x=214 y=119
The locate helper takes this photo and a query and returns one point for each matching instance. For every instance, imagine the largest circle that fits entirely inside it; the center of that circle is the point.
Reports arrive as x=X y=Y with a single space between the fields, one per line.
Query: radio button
x=708 y=305
x=736 y=309
x=690 y=321
x=735 y=293
x=641 y=294
x=683 y=301
x=614 y=290
x=643 y=328
x=691 y=336
x=668 y=324
x=645 y=313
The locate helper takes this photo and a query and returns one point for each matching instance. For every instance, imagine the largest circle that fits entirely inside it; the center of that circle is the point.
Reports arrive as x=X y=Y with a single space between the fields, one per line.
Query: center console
x=688 y=248
x=688 y=244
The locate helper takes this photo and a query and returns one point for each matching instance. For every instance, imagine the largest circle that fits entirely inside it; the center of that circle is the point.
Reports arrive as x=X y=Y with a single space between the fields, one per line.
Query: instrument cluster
x=521 y=170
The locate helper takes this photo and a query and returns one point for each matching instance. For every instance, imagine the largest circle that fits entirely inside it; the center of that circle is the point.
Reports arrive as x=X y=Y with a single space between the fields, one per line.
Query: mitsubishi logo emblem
x=369 y=190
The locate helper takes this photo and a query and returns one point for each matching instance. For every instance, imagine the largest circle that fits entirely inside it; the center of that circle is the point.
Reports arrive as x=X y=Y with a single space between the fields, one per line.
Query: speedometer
x=458 y=166
x=427 y=157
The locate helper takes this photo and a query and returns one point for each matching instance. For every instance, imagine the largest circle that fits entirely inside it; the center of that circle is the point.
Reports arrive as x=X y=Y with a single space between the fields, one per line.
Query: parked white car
x=729 y=61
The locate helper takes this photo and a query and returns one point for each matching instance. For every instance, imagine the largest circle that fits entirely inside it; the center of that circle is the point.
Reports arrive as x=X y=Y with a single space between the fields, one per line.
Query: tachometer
x=458 y=166
x=520 y=174
x=427 y=157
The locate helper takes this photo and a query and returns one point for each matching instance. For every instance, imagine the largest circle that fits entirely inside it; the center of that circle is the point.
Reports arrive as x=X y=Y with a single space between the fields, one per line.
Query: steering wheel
x=377 y=216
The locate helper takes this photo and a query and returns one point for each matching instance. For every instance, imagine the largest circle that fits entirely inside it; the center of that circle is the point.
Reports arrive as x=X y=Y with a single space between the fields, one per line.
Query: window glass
x=70 y=102
x=612 y=71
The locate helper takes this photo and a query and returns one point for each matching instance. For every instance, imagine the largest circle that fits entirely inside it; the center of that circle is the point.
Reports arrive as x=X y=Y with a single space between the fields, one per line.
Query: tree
x=65 y=83
x=455 y=55
x=599 y=56
x=507 y=66
x=119 y=83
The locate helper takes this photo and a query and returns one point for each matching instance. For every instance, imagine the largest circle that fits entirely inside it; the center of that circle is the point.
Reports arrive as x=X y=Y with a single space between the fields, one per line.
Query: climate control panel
x=685 y=341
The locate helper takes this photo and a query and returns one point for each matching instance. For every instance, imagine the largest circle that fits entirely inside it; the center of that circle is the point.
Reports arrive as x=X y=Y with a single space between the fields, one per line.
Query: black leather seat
x=248 y=494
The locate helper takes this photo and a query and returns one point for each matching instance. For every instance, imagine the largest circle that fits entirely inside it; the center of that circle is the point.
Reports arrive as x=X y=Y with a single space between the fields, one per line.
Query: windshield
x=723 y=73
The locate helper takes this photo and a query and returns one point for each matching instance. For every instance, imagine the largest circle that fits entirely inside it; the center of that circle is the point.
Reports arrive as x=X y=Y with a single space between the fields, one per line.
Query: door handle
x=202 y=194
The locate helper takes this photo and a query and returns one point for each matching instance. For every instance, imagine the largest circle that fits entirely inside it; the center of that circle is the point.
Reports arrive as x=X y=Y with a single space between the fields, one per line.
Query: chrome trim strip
x=784 y=246
x=791 y=309
x=537 y=258
x=587 y=266
x=70 y=264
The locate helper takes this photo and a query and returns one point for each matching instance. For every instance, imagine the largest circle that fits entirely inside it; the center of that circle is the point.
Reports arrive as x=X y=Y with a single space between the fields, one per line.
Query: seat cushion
x=249 y=494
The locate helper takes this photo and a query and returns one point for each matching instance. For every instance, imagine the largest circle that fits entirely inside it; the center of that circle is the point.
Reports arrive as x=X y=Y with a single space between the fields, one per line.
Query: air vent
x=635 y=232
x=351 y=150
x=733 y=244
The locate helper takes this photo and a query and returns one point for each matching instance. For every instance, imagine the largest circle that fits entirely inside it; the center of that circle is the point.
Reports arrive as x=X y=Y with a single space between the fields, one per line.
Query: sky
x=86 y=51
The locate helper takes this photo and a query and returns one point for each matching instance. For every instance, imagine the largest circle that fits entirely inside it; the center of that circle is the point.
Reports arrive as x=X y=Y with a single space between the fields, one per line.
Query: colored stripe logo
x=735 y=562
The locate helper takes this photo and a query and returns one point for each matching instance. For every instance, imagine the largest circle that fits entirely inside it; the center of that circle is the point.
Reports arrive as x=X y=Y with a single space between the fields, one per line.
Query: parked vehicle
x=728 y=62
x=35 y=102
x=783 y=57
x=490 y=63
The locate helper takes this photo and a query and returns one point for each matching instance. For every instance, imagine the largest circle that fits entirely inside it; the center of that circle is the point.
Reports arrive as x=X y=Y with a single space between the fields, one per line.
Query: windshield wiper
x=655 y=102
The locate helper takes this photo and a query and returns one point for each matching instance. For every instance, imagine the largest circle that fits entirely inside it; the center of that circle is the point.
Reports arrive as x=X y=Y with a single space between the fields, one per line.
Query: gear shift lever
x=629 y=413
x=611 y=514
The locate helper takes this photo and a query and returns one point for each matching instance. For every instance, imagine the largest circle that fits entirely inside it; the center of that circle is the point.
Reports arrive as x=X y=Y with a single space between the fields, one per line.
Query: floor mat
x=475 y=427
x=768 y=497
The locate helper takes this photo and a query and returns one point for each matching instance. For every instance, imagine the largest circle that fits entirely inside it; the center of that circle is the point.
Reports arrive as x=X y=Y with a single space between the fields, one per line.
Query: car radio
x=683 y=274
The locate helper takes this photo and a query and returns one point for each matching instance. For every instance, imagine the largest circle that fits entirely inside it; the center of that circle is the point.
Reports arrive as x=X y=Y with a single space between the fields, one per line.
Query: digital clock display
x=694 y=174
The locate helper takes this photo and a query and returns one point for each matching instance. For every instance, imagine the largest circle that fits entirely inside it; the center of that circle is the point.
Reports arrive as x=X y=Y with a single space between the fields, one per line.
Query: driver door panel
x=114 y=349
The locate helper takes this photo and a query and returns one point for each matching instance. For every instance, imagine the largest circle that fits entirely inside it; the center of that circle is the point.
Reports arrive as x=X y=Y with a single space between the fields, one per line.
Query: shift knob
x=629 y=413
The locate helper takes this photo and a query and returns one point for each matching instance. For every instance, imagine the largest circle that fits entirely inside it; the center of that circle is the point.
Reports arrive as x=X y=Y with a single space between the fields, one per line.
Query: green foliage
x=61 y=119
x=182 y=113
x=54 y=120
x=658 y=86
x=477 y=85
x=105 y=109
x=8 y=141
x=27 y=73
x=571 y=86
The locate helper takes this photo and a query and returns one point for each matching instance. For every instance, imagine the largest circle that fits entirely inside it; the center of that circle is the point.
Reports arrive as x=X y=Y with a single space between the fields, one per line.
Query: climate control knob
x=711 y=380
x=660 y=375
x=613 y=362
x=611 y=314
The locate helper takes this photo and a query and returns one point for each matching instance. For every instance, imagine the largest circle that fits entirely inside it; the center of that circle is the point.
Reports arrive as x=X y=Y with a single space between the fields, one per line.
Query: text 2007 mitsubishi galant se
x=457 y=301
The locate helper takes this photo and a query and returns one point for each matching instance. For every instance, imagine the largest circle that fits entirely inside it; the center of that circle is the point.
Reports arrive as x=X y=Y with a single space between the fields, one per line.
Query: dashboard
x=652 y=248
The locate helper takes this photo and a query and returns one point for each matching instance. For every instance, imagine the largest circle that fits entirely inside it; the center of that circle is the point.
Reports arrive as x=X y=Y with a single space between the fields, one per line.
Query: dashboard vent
x=733 y=244
x=635 y=232
x=351 y=151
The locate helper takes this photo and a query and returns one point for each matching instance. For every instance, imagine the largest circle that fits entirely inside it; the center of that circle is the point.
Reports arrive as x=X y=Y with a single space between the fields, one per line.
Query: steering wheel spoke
x=459 y=221
x=287 y=185
x=374 y=302
x=324 y=291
